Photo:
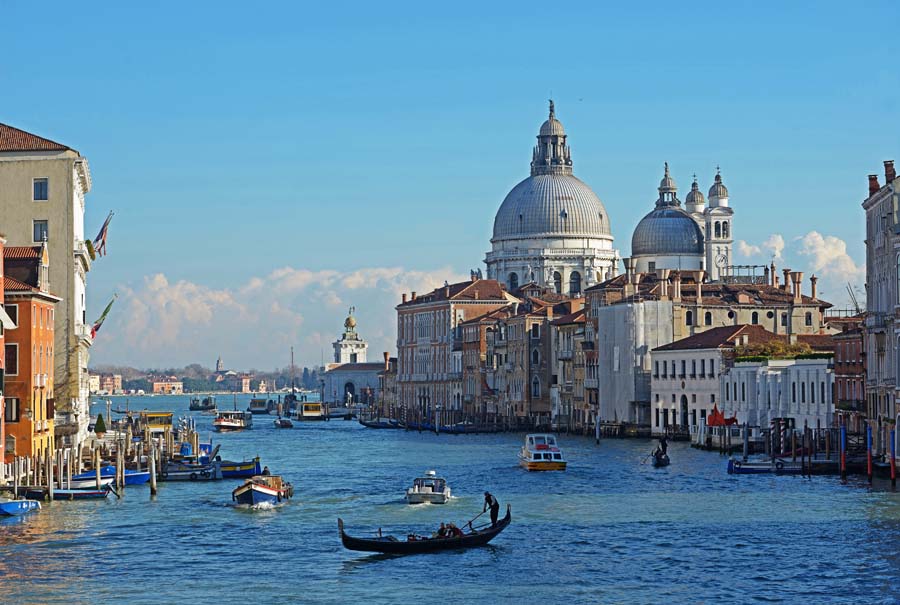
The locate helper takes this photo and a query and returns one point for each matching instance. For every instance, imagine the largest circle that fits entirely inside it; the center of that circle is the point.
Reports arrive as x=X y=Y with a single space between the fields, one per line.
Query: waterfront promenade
x=610 y=529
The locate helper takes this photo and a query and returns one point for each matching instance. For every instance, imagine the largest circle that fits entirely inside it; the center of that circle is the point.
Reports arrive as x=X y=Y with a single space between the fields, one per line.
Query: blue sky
x=242 y=146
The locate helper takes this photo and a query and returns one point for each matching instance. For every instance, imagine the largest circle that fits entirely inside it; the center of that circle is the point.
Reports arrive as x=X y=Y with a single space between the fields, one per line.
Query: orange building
x=28 y=395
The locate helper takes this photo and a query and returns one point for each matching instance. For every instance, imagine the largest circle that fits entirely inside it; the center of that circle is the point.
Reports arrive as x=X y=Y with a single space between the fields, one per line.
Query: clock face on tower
x=721 y=261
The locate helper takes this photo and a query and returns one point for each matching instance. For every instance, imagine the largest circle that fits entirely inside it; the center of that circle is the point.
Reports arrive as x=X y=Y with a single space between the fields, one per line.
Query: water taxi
x=232 y=420
x=263 y=489
x=261 y=406
x=429 y=489
x=206 y=404
x=310 y=410
x=541 y=453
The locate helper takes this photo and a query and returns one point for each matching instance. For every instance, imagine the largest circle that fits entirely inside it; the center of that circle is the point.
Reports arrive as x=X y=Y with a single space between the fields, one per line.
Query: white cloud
x=158 y=323
x=772 y=247
x=827 y=256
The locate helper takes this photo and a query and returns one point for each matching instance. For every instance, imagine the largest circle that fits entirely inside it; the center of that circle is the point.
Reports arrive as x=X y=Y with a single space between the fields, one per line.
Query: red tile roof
x=572 y=318
x=724 y=336
x=11 y=284
x=13 y=139
x=22 y=252
x=487 y=290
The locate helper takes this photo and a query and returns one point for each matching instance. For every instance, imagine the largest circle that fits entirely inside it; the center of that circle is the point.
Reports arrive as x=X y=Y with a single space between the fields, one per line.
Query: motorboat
x=246 y=468
x=261 y=406
x=541 y=453
x=21 y=506
x=429 y=489
x=232 y=420
x=178 y=471
x=414 y=544
x=283 y=423
x=381 y=423
x=263 y=489
x=202 y=405
x=310 y=410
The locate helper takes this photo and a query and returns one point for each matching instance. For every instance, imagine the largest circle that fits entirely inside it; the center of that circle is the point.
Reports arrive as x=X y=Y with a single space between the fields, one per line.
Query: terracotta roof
x=11 y=284
x=724 y=336
x=572 y=318
x=22 y=252
x=13 y=139
x=817 y=342
x=479 y=289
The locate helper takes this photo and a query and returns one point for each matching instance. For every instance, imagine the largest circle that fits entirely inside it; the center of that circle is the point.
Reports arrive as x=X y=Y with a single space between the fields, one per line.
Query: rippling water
x=609 y=529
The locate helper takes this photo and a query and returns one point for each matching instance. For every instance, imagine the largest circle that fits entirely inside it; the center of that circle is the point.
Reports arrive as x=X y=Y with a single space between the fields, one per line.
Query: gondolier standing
x=491 y=502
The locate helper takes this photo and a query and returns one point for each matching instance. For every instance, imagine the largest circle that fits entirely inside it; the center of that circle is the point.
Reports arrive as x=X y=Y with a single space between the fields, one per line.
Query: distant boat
x=541 y=453
x=429 y=489
x=203 y=405
x=381 y=423
x=260 y=406
x=283 y=423
x=310 y=410
x=12 y=508
x=660 y=459
x=263 y=489
x=232 y=420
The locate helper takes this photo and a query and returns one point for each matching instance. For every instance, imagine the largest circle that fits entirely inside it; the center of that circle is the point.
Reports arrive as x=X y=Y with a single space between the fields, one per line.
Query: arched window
x=575 y=283
x=557 y=282
x=535 y=357
x=689 y=318
x=809 y=319
x=718 y=229
x=513 y=281
x=754 y=318
x=535 y=387
x=725 y=229
x=707 y=319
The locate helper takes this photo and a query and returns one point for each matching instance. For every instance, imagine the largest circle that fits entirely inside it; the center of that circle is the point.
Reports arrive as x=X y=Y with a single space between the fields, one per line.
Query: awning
x=8 y=323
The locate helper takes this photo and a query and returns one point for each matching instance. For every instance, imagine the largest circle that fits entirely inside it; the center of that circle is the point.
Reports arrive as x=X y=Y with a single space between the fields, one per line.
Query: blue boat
x=263 y=489
x=109 y=472
x=69 y=494
x=237 y=470
x=778 y=466
x=21 y=506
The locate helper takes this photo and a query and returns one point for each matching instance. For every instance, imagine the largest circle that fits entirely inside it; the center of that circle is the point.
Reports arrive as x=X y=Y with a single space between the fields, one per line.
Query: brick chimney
x=446 y=291
x=797 y=278
x=787 y=279
x=404 y=297
x=889 y=173
x=773 y=274
x=873 y=184
x=413 y=295
x=812 y=283
x=387 y=361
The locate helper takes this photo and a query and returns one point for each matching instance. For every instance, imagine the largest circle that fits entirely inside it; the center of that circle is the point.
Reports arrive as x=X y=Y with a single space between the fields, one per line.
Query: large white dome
x=548 y=205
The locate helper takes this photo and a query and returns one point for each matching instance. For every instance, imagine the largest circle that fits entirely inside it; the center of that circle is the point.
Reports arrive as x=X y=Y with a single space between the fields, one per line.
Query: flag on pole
x=100 y=240
x=96 y=327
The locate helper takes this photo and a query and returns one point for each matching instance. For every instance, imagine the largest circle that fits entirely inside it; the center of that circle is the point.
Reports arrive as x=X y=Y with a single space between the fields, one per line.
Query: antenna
x=853 y=299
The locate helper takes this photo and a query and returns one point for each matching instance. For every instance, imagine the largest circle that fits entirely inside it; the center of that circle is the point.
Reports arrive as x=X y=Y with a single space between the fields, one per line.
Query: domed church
x=695 y=238
x=552 y=229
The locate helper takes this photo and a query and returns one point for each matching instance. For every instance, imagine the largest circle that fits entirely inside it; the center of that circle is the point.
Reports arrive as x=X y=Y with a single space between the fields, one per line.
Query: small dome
x=350 y=322
x=667 y=183
x=695 y=196
x=552 y=127
x=667 y=230
x=718 y=190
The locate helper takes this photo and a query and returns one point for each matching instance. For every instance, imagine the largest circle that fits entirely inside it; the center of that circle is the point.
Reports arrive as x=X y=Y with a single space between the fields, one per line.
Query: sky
x=271 y=165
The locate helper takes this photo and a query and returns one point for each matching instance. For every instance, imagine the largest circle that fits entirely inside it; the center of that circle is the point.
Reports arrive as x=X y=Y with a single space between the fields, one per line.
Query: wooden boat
x=541 y=453
x=418 y=544
x=70 y=494
x=429 y=489
x=263 y=489
x=283 y=423
x=310 y=410
x=246 y=468
x=232 y=420
x=660 y=459
x=89 y=481
x=381 y=423
x=132 y=477
x=777 y=466
x=202 y=405
x=21 y=506
x=192 y=472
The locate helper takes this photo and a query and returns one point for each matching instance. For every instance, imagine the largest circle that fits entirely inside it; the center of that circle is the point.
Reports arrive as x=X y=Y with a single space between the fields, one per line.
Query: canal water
x=610 y=529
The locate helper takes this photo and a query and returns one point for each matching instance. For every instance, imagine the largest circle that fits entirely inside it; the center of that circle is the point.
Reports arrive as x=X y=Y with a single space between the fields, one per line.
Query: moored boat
x=777 y=466
x=310 y=410
x=415 y=544
x=192 y=472
x=89 y=481
x=20 y=506
x=202 y=405
x=260 y=406
x=381 y=423
x=232 y=420
x=245 y=468
x=429 y=489
x=541 y=453
x=69 y=494
x=132 y=477
x=263 y=489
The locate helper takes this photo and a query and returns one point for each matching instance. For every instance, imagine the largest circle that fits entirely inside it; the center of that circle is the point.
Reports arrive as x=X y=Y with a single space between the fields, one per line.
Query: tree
x=100 y=426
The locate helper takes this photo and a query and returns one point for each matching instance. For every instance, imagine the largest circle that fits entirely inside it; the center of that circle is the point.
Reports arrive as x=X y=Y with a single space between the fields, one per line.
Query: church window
x=718 y=229
x=707 y=319
x=689 y=318
x=784 y=319
x=536 y=387
x=731 y=315
x=557 y=282
x=535 y=357
x=513 y=280
x=802 y=392
x=725 y=229
x=809 y=319
x=754 y=318
x=575 y=283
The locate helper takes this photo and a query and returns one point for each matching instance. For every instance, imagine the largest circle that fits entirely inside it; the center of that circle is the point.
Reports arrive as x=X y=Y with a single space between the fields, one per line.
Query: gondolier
x=491 y=502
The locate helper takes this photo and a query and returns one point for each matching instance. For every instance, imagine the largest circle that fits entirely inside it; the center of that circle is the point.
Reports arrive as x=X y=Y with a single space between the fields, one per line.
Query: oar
x=647 y=457
x=473 y=519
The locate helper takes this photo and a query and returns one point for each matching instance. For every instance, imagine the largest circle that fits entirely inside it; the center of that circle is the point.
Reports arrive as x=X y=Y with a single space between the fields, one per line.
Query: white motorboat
x=541 y=453
x=232 y=420
x=429 y=489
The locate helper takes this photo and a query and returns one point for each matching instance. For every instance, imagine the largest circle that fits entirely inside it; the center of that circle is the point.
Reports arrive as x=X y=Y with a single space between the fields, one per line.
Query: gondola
x=660 y=460
x=416 y=544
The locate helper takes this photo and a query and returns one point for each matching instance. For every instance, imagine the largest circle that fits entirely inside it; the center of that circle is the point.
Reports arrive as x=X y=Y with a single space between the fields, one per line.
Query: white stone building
x=796 y=389
x=43 y=185
x=349 y=379
x=552 y=229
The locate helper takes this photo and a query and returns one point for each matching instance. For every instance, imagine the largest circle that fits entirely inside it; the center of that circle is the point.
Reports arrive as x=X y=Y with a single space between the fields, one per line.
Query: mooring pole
x=869 y=452
x=843 y=447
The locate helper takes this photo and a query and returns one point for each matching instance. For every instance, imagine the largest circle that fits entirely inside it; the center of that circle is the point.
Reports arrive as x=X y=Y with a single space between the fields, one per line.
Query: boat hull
x=533 y=465
x=426 y=498
x=248 y=468
x=391 y=545
x=210 y=472
x=254 y=495
x=778 y=467
x=89 y=479
x=661 y=461
x=70 y=494
x=14 y=508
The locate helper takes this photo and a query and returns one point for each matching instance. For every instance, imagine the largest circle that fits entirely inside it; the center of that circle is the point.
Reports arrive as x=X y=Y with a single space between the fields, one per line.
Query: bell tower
x=350 y=348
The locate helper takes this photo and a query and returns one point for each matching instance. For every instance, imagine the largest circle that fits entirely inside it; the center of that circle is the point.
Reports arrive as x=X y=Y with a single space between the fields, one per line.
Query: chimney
x=446 y=291
x=550 y=313
x=676 y=291
x=797 y=278
x=387 y=361
x=404 y=297
x=515 y=308
x=628 y=269
x=873 y=184
x=812 y=283
x=773 y=274
x=776 y=282
x=413 y=295
x=663 y=276
x=787 y=279
x=700 y=275
x=889 y=173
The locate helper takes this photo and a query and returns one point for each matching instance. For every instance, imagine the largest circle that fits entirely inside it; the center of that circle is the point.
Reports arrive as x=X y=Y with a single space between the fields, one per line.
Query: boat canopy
x=535 y=440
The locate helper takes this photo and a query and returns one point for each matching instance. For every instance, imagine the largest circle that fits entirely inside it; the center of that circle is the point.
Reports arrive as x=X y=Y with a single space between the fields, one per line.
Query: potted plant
x=100 y=426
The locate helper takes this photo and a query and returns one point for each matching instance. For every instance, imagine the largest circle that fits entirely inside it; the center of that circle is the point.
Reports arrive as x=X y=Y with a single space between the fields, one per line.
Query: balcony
x=82 y=254
x=83 y=333
x=564 y=354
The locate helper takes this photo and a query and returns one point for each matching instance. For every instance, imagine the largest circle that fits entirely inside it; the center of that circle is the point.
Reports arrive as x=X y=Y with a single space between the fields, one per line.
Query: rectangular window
x=41 y=190
x=712 y=368
x=40 y=231
x=12 y=359
x=11 y=410
x=13 y=312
